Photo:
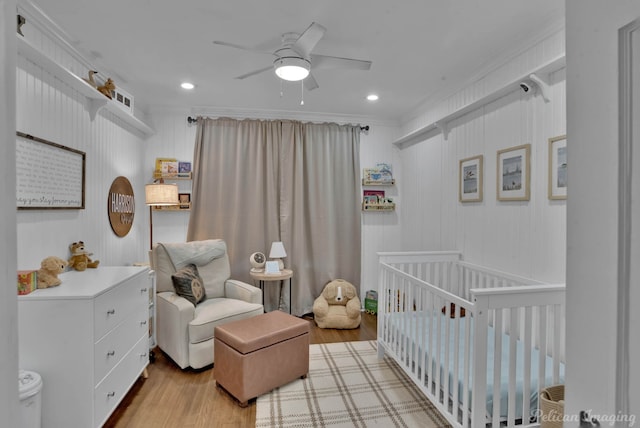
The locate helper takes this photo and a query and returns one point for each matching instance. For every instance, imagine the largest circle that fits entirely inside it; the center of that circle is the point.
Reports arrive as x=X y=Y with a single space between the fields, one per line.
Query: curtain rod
x=191 y=120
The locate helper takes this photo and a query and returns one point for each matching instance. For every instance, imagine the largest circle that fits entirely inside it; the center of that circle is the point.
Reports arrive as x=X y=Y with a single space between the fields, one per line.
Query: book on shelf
x=160 y=161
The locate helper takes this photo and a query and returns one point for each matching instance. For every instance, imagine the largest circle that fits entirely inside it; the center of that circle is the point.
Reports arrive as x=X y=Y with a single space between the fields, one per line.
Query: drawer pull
x=111 y=394
x=143 y=355
x=111 y=353
x=111 y=311
x=143 y=290
x=143 y=322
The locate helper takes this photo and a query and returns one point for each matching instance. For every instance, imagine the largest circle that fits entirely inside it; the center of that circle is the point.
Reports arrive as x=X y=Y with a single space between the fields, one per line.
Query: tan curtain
x=256 y=182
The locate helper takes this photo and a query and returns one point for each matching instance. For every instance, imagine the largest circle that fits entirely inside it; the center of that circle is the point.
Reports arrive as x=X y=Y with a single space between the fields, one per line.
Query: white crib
x=455 y=327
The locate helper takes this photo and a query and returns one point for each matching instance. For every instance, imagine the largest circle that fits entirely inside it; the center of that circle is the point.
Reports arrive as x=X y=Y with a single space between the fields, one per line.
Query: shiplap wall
x=527 y=238
x=50 y=109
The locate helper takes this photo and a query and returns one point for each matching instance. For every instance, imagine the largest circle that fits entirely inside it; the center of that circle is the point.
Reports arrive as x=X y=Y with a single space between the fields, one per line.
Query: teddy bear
x=338 y=306
x=80 y=257
x=50 y=267
x=107 y=88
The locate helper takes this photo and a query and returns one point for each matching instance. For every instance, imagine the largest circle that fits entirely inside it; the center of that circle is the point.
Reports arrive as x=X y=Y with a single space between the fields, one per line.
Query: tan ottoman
x=257 y=354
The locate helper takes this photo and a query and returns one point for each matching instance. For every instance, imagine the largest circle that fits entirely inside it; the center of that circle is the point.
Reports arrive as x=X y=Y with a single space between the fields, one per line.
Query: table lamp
x=156 y=195
x=277 y=252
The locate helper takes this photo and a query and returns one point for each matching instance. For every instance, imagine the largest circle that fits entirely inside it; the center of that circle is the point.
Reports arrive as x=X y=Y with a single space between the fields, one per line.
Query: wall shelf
x=181 y=207
x=537 y=75
x=378 y=183
x=378 y=207
x=170 y=177
x=96 y=102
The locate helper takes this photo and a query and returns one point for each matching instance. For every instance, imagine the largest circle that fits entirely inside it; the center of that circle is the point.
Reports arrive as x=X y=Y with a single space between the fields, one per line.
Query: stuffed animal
x=338 y=306
x=80 y=259
x=91 y=80
x=107 y=88
x=50 y=267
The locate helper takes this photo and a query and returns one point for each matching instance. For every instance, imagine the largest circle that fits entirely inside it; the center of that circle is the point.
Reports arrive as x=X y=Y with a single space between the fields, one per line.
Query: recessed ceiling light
x=187 y=85
x=372 y=97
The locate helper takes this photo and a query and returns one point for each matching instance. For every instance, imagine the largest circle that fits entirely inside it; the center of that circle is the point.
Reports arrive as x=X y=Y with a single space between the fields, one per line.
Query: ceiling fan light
x=291 y=68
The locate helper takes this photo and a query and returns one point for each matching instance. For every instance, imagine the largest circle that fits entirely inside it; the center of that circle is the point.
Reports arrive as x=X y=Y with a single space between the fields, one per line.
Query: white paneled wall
x=174 y=138
x=50 y=109
x=380 y=230
x=528 y=238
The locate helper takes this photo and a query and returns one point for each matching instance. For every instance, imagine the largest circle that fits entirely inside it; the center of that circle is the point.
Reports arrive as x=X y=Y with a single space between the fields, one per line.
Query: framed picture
x=470 y=179
x=558 y=167
x=185 y=200
x=514 y=173
x=48 y=175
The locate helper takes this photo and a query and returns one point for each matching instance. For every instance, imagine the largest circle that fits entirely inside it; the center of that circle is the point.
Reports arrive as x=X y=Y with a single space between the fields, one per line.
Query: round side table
x=262 y=277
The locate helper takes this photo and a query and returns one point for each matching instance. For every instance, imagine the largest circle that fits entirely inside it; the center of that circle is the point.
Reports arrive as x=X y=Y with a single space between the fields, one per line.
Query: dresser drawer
x=110 y=349
x=116 y=304
x=109 y=392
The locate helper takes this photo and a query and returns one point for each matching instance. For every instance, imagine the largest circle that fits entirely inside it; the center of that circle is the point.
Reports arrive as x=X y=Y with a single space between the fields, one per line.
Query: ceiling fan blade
x=244 y=48
x=308 y=40
x=324 y=61
x=310 y=82
x=253 y=73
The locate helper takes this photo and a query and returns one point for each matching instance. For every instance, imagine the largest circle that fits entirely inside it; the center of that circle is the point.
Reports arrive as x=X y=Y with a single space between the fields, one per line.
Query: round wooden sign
x=121 y=206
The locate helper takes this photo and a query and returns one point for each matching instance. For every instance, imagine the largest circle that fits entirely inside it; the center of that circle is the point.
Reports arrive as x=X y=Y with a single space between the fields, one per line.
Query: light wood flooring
x=172 y=398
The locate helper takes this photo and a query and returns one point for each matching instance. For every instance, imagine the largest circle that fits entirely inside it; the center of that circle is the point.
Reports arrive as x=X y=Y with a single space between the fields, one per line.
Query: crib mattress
x=395 y=322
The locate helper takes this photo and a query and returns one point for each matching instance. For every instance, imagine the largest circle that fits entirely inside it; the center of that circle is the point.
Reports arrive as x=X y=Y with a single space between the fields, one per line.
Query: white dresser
x=89 y=340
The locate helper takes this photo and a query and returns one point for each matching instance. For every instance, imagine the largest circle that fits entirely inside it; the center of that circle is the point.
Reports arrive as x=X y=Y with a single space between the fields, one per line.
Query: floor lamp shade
x=161 y=194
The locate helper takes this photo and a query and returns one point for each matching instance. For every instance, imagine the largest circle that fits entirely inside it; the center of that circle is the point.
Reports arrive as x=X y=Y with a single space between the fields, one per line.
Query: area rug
x=348 y=386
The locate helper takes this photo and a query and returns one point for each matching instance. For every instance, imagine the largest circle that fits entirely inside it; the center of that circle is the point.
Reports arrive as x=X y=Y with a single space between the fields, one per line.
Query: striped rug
x=348 y=386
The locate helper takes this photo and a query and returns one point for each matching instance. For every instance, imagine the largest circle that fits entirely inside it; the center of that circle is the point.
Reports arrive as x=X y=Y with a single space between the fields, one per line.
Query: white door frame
x=628 y=228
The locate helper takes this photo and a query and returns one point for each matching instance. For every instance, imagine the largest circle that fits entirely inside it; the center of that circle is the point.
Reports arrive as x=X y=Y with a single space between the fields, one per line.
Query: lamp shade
x=277 y=250
x=161 y=194
x=291 y=68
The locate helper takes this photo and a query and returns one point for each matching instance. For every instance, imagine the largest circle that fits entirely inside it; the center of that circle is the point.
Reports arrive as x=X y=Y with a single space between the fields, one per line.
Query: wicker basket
x=552 y=410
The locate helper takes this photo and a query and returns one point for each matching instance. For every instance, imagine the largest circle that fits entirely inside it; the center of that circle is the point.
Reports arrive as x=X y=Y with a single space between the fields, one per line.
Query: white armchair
x=184 y=330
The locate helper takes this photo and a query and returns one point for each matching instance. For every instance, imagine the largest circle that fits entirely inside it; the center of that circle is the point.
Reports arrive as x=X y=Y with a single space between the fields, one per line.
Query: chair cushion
x=218 y=311
x=213 y=274
x=188 y=284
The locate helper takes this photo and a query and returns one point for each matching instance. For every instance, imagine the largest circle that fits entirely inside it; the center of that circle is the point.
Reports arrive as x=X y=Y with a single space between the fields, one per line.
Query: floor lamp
x=158 y=195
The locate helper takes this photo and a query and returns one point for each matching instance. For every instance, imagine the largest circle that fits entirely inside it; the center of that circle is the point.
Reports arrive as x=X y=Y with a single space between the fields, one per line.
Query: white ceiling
x=419 y=48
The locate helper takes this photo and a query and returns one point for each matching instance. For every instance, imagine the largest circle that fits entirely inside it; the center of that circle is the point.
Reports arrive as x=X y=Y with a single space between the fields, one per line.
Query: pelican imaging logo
x=121 y=206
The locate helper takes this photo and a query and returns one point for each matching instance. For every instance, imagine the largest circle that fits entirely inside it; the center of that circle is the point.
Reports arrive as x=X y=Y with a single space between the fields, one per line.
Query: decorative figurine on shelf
x=91 y=80
x=107 y=88
x=80 y=257
x=50 y=267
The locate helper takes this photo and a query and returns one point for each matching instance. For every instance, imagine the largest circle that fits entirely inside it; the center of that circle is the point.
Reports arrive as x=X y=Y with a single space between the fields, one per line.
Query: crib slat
x=497 y=365
x=542 y=327
x=513 y=356
x=526 y=381
x=556 y=343
x=465 y=378
x=447 y=346
x=456 y=359
x=431 y=342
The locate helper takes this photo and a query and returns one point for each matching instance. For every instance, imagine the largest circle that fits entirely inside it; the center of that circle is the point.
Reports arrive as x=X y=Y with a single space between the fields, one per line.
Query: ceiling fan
x=294 y=59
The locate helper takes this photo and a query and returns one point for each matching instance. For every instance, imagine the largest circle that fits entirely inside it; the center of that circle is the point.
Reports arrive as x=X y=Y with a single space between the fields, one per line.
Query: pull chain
x=302 y=92
x=281 y=92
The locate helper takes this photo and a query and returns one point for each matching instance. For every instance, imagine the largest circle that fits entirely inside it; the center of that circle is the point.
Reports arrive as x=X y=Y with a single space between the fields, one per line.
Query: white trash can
x=30 y=384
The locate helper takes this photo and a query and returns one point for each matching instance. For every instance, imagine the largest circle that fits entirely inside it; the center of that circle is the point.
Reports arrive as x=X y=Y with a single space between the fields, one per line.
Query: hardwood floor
x=172 y=398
